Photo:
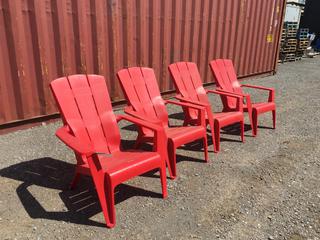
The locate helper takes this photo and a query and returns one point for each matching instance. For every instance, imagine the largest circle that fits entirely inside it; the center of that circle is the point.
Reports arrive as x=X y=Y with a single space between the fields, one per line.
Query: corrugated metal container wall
x=45 y=39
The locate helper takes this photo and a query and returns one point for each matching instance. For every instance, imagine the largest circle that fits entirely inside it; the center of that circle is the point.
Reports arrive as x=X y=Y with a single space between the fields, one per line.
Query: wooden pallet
x=290 y=55
x=302 y=37
x=288 y=47
x=287 y=60
x=290 y=25
x=303 y=44
x=291 y=44
x=288 y=51
x=292 y=40
x=291 y=59
x=291 y=35
x=304 y=30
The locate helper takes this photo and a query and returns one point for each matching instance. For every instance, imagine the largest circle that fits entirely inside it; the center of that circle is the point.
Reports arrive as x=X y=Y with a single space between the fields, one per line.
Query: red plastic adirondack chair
x=226 y=80
x=90 y=130
x=190 y=89
x=144 y=101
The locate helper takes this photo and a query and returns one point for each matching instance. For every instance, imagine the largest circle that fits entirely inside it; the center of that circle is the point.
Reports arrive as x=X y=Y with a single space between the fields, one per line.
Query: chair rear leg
x=217 y=136
x=186 y=122
x=139 y=141
x=75 y=179
x=274 y=118
x=255 y=122
x=163 y=177
x=205 y=148
x=187 y=118
x=172 y=160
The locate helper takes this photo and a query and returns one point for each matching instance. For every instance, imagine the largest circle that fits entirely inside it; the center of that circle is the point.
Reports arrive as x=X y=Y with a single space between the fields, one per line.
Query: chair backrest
x=142 y=93
x=188 y=83
x=85 y=105
x=226 y=79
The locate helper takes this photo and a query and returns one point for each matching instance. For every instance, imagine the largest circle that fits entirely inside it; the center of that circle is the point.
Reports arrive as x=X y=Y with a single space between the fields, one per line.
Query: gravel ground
x=266 y=188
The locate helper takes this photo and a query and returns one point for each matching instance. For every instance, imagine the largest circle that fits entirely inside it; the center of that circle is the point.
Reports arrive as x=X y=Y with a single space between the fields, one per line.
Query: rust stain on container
x=44 y=40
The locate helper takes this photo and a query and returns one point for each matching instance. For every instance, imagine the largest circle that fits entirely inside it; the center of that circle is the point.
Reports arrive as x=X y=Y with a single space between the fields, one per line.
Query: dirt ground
x=266 y=188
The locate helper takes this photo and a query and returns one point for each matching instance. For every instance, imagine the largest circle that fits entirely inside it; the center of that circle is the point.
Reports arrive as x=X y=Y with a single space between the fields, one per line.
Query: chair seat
x=127 y=164
x=262 y=107
x=182 y=135
x=124 y=163
x=226 y=118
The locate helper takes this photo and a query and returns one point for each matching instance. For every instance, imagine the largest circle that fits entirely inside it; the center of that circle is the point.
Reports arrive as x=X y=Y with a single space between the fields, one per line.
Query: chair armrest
x=138 y=116
x=228 y=94
x=225 y=93
x=74 y=143
x=160 y=138
x=185 y=104
x=182 y=99
x=238 y=94
x=201 y=110
x=244 y=95
x=140 y=122
x=271 y=91
x=257 y=87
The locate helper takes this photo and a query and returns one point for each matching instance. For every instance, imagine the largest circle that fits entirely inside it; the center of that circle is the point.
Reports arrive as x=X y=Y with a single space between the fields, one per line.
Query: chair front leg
x=271 y=97
x=109 y=188
x=255 y=122
x=105 y=191
x=242 y=130
x=211 y=123
x=205 y=147
x=274 y=118
x=163 y=177
x=217 y=136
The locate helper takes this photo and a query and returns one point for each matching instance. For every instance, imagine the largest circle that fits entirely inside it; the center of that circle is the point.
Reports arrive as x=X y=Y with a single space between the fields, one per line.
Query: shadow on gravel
x=228 y=130
x=235 y=130
x=180 y=158
x=81 y=203
x=265 y=127
x=196 y=146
